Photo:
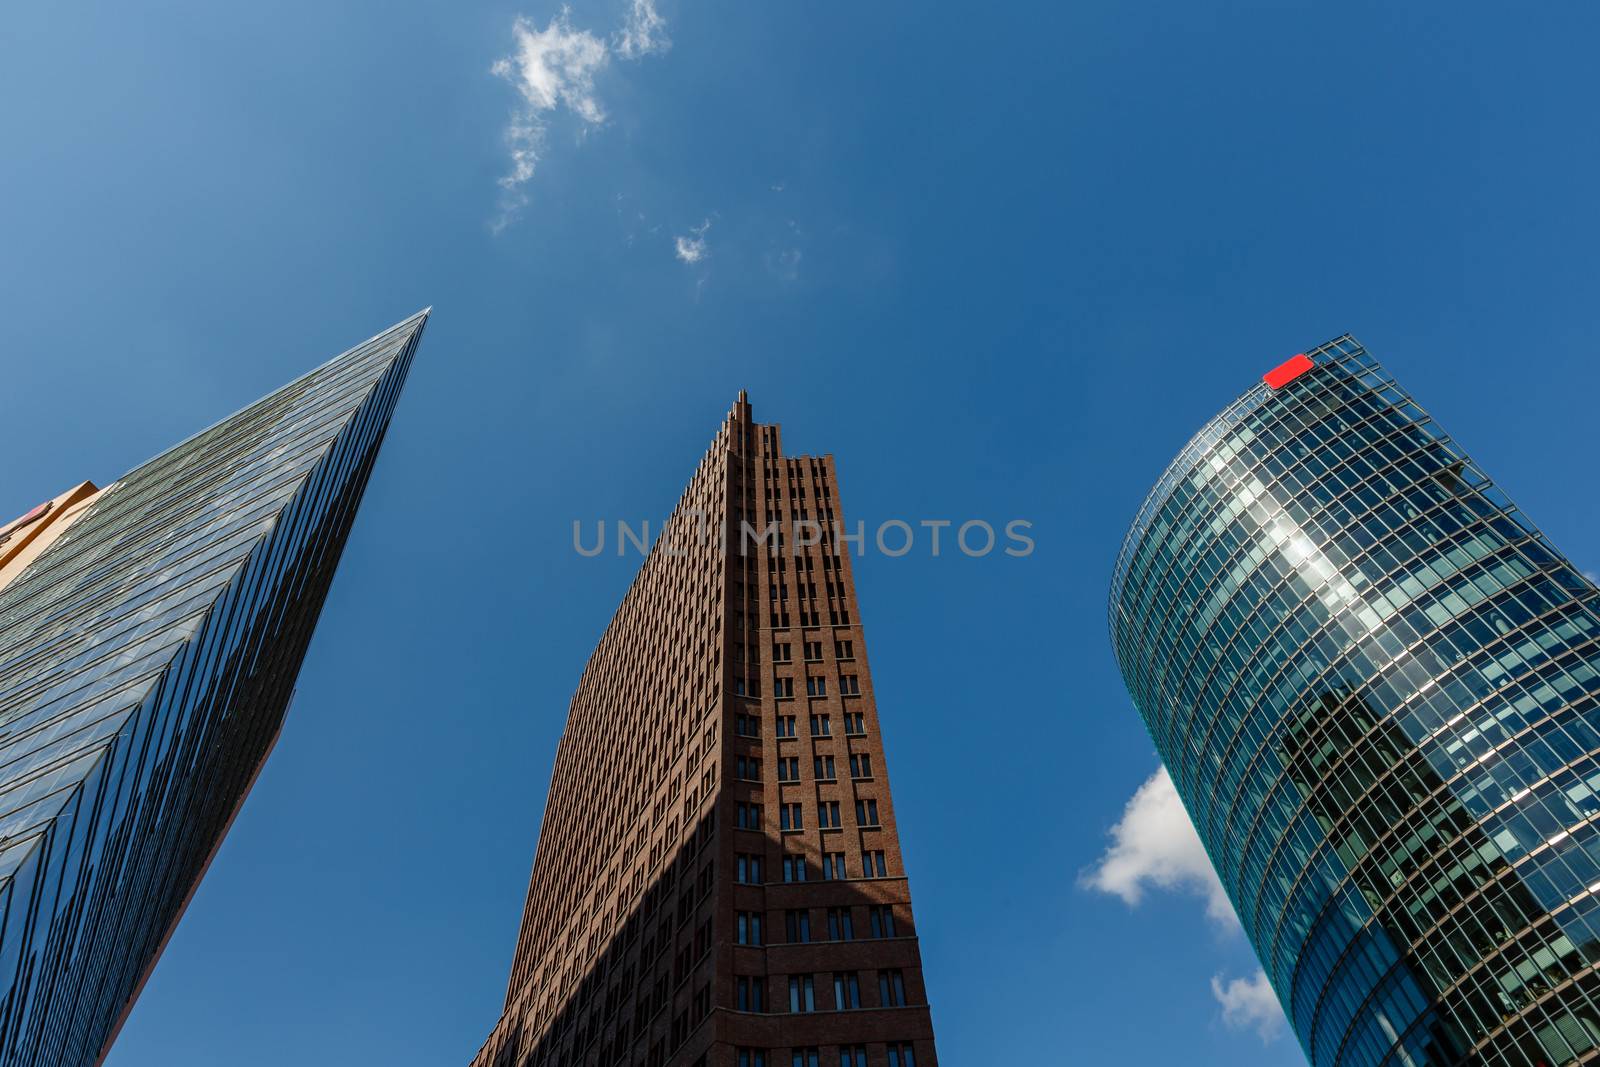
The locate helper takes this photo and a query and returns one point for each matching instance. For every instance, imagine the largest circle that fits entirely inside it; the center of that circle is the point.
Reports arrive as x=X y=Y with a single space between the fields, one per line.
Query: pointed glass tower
x=150 y=634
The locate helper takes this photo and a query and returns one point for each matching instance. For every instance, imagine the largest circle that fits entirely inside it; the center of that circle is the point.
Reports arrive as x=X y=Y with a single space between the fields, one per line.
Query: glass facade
x=147 y=658
x=1376 y=686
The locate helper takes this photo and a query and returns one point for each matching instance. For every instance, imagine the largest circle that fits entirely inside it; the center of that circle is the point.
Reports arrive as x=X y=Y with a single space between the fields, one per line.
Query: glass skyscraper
x=1376 y=686
x=150 y=634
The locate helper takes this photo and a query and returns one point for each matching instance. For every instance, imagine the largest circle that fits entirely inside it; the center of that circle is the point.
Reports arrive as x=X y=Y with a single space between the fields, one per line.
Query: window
x=747 y=816
x=844 y=650
x=828 y=814
x=747 y=869
x=747 y=767
x=752 y=1057
x=850 y=685
x=833 y=866
x=855 y=722
x=707 y=878
x=794 y=868
x=882 y=920
x=780 y=652
x=783 y=687
x=846 y=990
x=785 y=725
x=861 y=765
x=752 y=993
x=790 y=817
x=891 y=988
x=813 y=650
x=681 y=964
x=820 y=726
x=866 y=813
x=872 y=865
x=747 y=725
x=823 y=768
x=802 y=994
x=816 y=687
x=749 y=924
x=852 y=1056
x=788 y=768
x=841 y=925
x=702 y=1002
x=797 y=925
x=807 y=1057
x=900 y=1054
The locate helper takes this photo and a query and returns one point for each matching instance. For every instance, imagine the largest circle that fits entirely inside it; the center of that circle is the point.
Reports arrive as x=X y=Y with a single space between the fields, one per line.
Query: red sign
x=1288 y=371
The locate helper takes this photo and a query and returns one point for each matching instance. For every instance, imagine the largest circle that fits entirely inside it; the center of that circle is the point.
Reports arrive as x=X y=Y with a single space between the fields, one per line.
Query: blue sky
x=1001 y=260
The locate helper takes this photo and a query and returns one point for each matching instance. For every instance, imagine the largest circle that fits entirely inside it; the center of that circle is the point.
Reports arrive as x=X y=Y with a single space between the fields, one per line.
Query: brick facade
x=723 y=739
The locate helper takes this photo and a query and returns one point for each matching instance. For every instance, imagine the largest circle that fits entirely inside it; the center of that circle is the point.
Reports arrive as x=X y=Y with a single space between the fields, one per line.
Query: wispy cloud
x=644 y=33
x=784 y=255
x=1154 y=845
x=1250 y=1004
x=784 y=264
x=691 y=248
x=554 y=69
x=551 y=68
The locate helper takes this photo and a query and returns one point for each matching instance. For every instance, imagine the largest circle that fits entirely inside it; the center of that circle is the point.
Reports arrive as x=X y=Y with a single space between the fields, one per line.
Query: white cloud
x=693 y=249
x=645 y=31
x=556 y=66
x=551 y=68
x=1250 y=1003
x=1155 y=845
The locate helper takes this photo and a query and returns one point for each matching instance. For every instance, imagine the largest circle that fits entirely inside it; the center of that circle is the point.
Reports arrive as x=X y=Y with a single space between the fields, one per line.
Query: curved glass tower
x=1377 y=688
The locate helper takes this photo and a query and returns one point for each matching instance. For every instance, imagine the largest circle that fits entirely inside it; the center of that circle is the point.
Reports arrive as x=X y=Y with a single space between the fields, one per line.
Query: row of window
x=780 y=619
x=834 y=591
x=897 y=1054
x=792 y=816
x=855 y=724
x=749 y=868
x=783 y=688
x=783 y=651
x=751 y=991
x=797 y=924
x=823 y=767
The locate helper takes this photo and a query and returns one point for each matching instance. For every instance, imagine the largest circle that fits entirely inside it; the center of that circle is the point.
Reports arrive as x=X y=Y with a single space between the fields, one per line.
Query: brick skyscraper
x=718 y=881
